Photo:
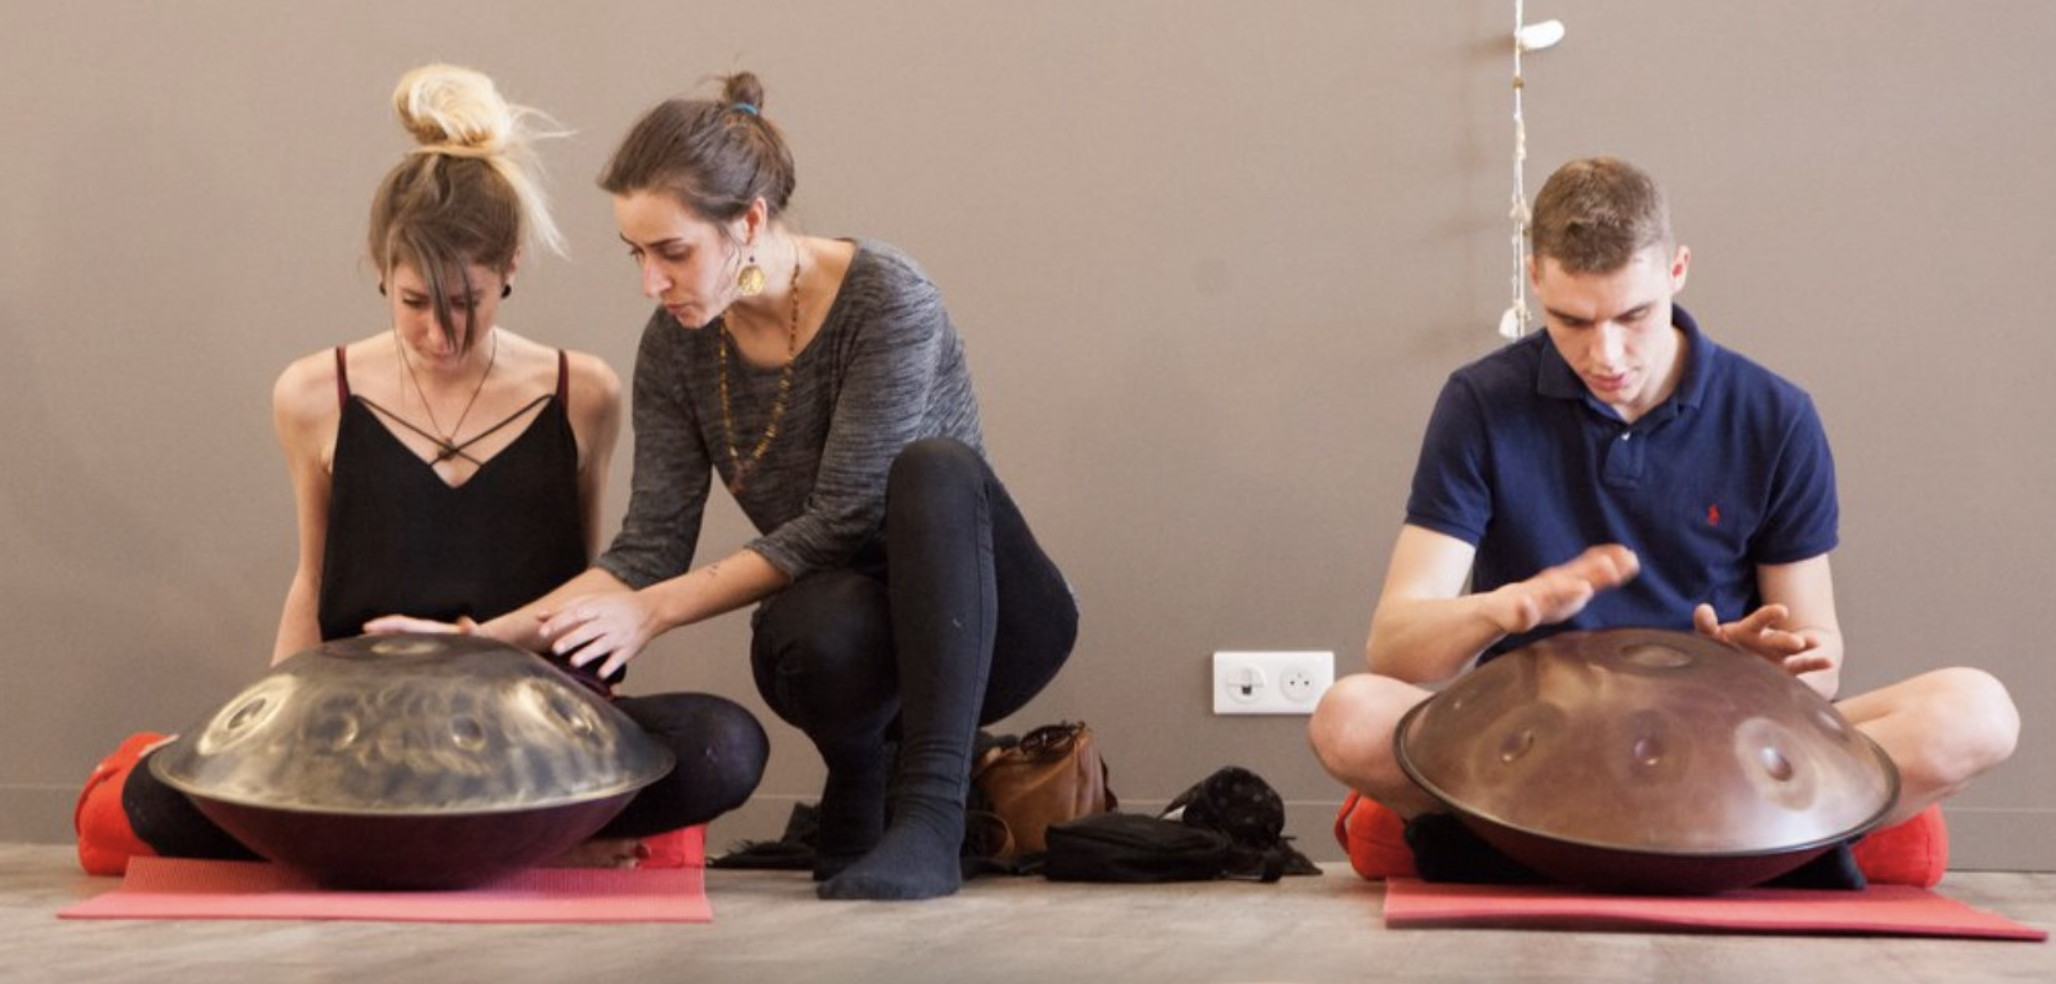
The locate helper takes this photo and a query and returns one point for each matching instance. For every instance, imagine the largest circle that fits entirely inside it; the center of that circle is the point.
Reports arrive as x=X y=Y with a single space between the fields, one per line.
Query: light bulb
x=1536 y=37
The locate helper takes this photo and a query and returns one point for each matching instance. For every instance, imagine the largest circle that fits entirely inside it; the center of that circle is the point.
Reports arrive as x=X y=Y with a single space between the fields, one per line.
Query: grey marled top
x=886 y=369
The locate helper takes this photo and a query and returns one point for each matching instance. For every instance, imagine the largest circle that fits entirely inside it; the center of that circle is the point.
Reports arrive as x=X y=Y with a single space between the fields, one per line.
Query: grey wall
x=1212 y=259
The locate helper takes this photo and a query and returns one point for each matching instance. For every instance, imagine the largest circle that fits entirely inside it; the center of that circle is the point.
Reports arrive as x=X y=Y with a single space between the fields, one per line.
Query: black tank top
x=403 y=541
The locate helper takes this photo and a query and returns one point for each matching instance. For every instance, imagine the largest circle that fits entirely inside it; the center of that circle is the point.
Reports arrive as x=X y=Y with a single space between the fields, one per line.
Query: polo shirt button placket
x=1623 y=468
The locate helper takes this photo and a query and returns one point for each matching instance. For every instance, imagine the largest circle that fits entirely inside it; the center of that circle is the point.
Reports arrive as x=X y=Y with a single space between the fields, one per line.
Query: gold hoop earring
x=749 y=281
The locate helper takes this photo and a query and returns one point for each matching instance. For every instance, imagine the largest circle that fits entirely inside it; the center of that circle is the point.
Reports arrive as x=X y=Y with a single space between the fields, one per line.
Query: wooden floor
x=769 y=929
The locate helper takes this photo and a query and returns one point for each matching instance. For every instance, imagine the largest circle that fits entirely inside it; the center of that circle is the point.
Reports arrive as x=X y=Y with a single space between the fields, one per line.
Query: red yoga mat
x=171 y=888
x=1880 y=910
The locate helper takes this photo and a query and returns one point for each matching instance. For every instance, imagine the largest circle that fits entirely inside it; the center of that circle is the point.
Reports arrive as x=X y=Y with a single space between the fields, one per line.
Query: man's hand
x=1760 y=634
x=1562 y=591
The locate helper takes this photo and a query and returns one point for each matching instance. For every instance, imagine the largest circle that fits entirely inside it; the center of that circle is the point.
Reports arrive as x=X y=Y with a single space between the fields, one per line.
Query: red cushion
x=1375 y=838
x=685 y=847
x=1915 y=852
x=106 y=841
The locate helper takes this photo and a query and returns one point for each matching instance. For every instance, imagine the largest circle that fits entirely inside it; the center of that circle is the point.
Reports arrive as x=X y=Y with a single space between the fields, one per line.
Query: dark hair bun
x=743 y=87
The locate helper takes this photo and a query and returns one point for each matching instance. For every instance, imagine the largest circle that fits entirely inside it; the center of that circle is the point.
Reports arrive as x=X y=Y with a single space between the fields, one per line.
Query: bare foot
x=621 y=852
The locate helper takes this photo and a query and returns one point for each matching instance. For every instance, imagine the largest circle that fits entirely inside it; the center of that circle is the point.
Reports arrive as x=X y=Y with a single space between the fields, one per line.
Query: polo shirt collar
x=1555 y=378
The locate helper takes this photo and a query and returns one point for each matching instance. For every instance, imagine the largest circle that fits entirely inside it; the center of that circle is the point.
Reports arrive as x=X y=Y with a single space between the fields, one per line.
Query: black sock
x=852 y=814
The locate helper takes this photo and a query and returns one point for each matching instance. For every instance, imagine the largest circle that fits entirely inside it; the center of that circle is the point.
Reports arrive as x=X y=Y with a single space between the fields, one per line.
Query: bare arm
x=602 y=614
x=598 y=611
x=304 y=414
x=1426 y=629
x=595 y=414
x=612 y=627
x=1796 y=627
x=521 y=627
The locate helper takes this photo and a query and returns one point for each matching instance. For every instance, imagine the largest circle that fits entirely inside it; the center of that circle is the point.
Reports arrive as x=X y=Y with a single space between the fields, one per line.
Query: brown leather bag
x=1053 y=774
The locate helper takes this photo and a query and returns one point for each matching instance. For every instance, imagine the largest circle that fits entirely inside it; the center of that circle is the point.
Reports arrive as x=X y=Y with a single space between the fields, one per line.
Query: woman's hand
x=394 y=624
x=610 y=628
x=1759 y=634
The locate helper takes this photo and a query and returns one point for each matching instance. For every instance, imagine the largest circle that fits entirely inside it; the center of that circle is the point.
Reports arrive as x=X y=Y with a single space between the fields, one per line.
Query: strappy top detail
x=446 y=450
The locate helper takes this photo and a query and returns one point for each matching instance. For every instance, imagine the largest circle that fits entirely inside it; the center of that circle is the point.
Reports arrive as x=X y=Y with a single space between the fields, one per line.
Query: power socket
x=1271 y=682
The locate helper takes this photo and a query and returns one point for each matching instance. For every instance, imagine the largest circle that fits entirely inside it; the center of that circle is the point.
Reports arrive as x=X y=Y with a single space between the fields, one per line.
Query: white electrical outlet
x=1271 y=682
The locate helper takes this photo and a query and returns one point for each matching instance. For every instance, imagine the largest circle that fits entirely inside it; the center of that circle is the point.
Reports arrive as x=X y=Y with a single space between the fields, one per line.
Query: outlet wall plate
x=1271 y=681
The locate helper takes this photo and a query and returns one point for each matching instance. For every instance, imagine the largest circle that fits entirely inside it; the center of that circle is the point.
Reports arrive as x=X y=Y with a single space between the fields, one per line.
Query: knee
x=719 y=751
x=718 y=743
x=1352 y=727
x=1980 y=712
x=735 y=751
x=932 y=462
x=1943 y=728
x=821 y=657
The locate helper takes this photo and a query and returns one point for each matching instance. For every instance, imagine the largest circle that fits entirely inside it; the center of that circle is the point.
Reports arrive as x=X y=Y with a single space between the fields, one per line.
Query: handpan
x=413 y=761
x=1640 y=760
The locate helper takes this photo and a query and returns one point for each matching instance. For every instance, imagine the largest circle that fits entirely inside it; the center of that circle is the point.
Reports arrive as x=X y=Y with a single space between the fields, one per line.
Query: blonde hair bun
x=457 y=112
x=454 y=110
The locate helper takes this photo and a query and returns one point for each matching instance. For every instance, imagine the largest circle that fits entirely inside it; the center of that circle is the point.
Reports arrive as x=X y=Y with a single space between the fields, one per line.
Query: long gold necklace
x=446 y=440
x=739 y=466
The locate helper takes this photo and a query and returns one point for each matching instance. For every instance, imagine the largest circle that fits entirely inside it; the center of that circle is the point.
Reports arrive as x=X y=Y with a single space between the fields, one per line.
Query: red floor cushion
x=685 y=847
x=106 y=841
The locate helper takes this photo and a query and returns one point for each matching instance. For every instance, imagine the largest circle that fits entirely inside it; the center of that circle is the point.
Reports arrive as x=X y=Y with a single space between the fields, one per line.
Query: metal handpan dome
x=413 y=761
x=1646 y=761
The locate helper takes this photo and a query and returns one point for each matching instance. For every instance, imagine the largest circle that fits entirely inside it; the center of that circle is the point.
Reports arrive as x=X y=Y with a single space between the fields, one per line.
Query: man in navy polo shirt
x=1620 y=469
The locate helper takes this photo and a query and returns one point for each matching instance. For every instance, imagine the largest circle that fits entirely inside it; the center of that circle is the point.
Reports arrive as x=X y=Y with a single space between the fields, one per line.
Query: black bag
x=1130 y=847
x=1240 y=804
x=1229 y=825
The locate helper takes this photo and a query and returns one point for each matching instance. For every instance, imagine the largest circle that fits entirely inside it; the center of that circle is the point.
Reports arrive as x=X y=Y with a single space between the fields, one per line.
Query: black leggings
x=720 y=747
x=956 y=575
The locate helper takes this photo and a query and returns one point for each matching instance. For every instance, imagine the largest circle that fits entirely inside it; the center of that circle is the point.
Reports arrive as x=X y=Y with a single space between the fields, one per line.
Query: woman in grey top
x=903 y=598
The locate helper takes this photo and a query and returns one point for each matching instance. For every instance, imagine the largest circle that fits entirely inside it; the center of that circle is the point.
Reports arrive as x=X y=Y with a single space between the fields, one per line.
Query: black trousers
x=951 y=618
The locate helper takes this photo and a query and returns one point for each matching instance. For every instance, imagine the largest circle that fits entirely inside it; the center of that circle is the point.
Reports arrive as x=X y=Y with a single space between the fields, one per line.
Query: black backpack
x=1229 y=825
x=1130 y=847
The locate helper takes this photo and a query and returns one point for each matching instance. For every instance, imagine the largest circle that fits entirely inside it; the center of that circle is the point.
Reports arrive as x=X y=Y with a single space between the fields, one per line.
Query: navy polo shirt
x=1732 y=471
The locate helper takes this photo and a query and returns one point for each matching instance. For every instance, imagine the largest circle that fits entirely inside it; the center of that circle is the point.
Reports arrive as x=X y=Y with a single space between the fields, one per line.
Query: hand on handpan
x=1562 y=591
x=393 y=624
x=616 y=626
x=1759 y=634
